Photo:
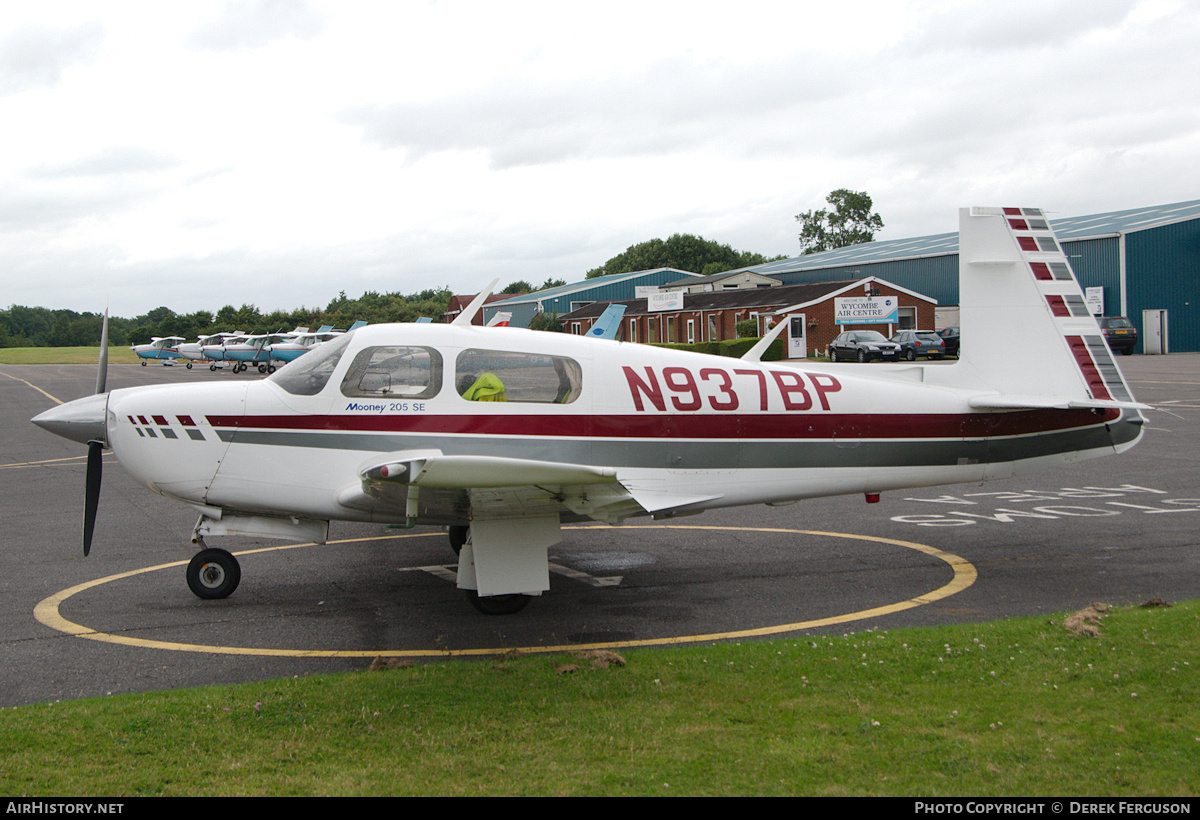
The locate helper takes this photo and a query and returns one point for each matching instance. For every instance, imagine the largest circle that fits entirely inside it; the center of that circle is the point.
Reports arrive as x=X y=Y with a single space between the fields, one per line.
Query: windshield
x=871 y=336
x=309 y=374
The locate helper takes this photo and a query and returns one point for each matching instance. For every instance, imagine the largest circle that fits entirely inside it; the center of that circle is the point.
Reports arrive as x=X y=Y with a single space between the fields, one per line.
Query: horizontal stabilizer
x=1009 y=402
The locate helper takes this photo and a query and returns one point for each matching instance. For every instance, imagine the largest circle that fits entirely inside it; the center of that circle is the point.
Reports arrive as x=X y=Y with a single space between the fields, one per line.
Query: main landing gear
x=497 y=604
x=487 y=604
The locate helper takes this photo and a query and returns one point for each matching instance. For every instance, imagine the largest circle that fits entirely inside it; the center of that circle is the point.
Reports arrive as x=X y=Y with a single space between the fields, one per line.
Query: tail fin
x=608 y=324
x=1027 y=332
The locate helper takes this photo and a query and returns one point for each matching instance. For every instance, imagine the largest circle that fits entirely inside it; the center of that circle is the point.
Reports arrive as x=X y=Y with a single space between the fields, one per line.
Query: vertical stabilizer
x=1027 y=331
x=609 y=323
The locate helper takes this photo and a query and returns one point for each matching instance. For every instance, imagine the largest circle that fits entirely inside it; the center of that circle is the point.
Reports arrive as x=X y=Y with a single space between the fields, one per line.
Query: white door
x=797 y=341
x=1154 y=331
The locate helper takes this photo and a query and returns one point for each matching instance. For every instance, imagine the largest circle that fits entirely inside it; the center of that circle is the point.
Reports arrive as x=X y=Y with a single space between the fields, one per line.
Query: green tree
x=683 y=252
x=850 y=222
x=546 y=321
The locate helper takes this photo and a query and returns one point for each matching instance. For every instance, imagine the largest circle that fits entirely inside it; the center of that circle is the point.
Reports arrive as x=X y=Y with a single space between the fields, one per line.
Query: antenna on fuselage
x=469 y=312
x=755 y=353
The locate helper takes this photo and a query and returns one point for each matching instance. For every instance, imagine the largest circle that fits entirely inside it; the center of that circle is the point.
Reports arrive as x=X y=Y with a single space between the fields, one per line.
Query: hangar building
x=1146 y=260
x=565 y=298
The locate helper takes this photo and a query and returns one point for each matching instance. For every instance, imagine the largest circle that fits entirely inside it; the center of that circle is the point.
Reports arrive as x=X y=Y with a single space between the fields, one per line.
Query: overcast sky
x=276 y=152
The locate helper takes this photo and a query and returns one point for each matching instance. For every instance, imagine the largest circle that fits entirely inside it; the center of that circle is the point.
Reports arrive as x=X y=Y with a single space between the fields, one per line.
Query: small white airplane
x=503 y=435
x=165 y=348
x=194 y=351
x=287 y=347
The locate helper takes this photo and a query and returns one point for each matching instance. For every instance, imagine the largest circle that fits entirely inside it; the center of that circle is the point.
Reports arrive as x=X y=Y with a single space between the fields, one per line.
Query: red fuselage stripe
x=695 y=426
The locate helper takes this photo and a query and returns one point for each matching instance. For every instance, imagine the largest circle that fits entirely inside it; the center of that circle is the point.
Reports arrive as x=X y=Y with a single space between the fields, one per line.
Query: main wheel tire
x=862 y=357
x=498 y=604
x=832 y=355
x=911 y=355
x=213 y=573
x=458 y=536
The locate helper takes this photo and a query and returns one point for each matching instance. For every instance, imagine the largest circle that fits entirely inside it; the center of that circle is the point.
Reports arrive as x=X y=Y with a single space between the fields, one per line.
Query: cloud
x=118 y=160
x=675 y=105
x=252 y=24
x=35 y=56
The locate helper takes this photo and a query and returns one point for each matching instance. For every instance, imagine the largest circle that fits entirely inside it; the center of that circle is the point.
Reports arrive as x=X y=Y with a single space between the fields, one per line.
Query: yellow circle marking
x=964 y=575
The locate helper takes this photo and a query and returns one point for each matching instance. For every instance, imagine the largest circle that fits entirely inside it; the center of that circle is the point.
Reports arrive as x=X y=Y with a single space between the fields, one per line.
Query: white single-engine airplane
x=501 y=435
x=165 y=348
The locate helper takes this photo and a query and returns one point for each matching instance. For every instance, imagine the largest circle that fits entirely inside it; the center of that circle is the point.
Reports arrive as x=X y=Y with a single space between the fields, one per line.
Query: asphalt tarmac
x=1120 y=530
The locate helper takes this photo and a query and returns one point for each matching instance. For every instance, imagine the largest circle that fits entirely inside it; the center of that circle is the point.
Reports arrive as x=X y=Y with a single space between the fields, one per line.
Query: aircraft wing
x=431 y=484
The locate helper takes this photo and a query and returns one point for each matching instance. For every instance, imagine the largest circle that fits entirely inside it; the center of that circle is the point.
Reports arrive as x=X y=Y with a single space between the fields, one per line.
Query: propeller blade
x=95 y=468
x=102 y=371
x=91 y=499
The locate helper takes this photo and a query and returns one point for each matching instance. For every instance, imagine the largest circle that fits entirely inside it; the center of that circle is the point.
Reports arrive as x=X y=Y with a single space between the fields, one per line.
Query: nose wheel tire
x=213 y=573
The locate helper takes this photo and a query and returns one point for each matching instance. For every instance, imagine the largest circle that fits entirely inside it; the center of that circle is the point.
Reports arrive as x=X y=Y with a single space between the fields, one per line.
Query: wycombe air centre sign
x=865 y=310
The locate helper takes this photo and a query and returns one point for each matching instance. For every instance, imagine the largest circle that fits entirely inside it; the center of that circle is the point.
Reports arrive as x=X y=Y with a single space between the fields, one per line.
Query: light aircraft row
x=501 y=435
x=264 y=350
x=242 y=349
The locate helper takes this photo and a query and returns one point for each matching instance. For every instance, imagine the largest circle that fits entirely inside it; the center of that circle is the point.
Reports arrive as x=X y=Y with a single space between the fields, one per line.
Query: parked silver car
x=914 y=343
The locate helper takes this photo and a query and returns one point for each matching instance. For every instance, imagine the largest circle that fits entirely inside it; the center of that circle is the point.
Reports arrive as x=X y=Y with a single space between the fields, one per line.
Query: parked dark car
x=951 y=336
x=1119 y=332
x=914 y=343
x=862 y=346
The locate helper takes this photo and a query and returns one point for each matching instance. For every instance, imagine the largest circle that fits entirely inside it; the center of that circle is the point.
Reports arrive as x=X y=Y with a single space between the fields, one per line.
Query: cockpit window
x=308 y=375
x=493 y=375
x=394 y=371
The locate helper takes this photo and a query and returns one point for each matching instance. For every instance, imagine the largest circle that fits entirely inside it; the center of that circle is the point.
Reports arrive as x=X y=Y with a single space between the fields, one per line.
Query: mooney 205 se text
x=501 y=434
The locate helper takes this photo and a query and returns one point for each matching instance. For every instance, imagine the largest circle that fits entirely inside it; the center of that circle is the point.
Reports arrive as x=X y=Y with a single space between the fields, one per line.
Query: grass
x=65 y=355
x=1020 y=707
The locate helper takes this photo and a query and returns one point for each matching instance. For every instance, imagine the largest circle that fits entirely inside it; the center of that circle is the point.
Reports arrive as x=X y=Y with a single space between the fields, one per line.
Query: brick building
x=713 y=316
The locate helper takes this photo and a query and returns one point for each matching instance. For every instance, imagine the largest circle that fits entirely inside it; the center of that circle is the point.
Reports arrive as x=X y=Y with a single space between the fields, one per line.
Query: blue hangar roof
x=1078 y=227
